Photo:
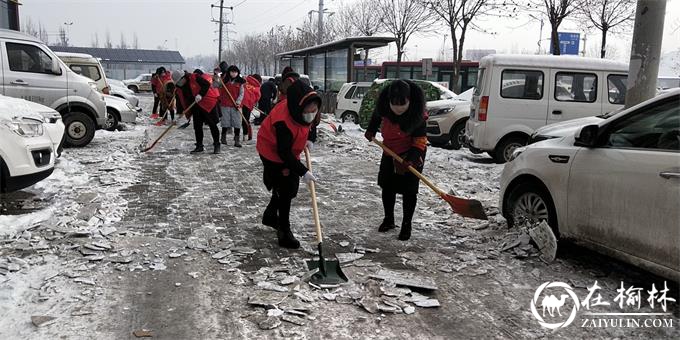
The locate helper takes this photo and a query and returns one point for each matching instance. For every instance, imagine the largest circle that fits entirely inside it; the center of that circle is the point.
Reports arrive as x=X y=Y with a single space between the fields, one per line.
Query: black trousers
x=156 y=101
x=284 y=186
x=244 y=122
x=209 y=118
x=389 y=198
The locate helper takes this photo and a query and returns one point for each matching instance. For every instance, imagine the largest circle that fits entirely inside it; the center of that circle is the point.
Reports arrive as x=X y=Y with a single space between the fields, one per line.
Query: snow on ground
x=116 y=241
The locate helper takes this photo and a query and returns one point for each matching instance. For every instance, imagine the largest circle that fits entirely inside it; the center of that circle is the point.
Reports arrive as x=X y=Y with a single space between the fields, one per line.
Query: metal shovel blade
x=329 y=272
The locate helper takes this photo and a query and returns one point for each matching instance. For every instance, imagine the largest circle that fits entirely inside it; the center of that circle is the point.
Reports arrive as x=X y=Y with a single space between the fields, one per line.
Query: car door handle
x=557 y=112
x=669 y=174
x=19 y=82
x=355 y=102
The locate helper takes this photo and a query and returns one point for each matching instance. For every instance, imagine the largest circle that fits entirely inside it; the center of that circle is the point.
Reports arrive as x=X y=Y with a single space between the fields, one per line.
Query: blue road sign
x=569 y=43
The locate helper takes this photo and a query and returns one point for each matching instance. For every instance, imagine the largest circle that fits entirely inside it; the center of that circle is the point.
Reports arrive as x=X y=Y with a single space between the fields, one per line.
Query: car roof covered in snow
x=73 y=55
x=552 y=61
x=11 y=34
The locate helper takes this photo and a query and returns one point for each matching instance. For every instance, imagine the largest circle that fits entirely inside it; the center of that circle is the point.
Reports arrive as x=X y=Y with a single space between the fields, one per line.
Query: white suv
x=613 y=186
x=26 y=149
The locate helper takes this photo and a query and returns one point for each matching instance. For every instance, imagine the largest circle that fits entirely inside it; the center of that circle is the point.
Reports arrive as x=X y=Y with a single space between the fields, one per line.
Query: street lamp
x=68 y=30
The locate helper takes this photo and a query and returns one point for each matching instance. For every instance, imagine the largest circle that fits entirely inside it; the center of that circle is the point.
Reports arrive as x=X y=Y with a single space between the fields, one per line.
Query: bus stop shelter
x=331 y=64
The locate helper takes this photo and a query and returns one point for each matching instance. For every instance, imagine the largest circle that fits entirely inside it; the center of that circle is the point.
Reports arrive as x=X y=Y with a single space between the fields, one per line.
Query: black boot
x=409 y=206
x=286 y=238
x=216 y=149
x=405 y=232
x=270 y=218
x=198 y=149
x=223 y=140
x=237 y=142
x=386 y=225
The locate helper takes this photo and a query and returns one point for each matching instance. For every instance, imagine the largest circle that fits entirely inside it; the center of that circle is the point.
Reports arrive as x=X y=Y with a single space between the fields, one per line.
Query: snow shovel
x=329 y=272
x=167 y=130
x=243 y=118
x=461 y=206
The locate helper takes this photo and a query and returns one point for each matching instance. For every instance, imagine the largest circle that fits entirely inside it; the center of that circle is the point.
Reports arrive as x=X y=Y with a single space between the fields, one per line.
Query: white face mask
x=399 y=109
x=308 y=116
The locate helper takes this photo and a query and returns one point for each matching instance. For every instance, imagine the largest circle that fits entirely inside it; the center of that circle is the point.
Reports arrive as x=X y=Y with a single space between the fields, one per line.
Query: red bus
x=441 y=72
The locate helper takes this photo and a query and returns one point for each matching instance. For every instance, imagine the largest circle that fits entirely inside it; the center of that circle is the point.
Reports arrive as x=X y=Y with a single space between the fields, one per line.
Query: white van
x=31 y=71
x=117 y=109
x=349 y=101
x=516 y=94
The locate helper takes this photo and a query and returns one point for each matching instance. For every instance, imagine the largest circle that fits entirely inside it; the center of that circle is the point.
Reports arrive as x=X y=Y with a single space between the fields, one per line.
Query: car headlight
x=535 y=138
x=439 y=112
x=516 y=153
x=129 y=106
x=24 y=127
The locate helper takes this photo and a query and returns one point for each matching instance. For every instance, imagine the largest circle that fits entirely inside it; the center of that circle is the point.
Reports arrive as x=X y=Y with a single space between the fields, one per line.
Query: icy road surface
x=117 y=244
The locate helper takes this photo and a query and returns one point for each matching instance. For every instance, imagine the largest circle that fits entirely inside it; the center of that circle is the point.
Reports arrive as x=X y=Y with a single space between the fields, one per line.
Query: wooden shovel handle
x=394 y=155
x=243 y=118
x=315 y=208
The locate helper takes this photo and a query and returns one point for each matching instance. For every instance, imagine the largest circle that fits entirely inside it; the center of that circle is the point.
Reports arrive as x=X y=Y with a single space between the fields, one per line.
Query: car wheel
x=530 y=203
x=351 y=117
x=111 y=121
x=506 y=147
x=79 y=129
x=133 y=88
x=457 y=136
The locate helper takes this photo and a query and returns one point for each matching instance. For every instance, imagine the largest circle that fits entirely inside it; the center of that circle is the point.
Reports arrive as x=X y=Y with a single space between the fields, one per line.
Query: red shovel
x=461 y=206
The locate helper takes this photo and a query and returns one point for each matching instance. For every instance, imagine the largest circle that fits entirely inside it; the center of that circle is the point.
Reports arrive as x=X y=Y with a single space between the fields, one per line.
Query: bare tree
x=63 y=38
x=555 y=10
x=401 y=19
x=460 y=16
x=29 y=28
x=366 y=19
x=95 y=40
x=42 y=34
x=135 y=41
x=608 y=16
x=123 y=44
x=108 y=43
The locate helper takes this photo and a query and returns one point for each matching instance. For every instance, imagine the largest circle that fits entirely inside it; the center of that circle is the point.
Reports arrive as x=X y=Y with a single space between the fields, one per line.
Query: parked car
x=118 y=110
x=141 y=83
x=349 y=101
x=612 y=185
x=516 y=94
x=433 y=93
x=665 y=82
x=125 y=93
x=446 y=125
x=27 y=143
x=33 y=72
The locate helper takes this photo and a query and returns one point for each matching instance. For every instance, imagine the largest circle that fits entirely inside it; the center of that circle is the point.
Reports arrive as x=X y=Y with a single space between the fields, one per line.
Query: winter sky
x=186 y=25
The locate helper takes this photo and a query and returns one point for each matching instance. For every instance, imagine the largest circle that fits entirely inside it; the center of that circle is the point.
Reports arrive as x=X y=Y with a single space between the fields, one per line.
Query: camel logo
x=551 y=305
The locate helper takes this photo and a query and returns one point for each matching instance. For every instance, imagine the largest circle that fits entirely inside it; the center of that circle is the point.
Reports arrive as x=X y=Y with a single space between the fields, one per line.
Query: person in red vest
x=155 y=88
x=400 y=114
x=197 y=87
x=230 y=103
x=250 y=99
x=282 y=137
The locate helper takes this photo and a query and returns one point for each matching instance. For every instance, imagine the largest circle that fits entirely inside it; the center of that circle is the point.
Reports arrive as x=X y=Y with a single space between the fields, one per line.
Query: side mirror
x=56 y=70
x=587 y=136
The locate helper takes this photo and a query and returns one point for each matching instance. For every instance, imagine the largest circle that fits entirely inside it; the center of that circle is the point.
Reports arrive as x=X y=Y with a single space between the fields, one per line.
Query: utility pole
x=643 y=69
x=319 y=39
x=221 y=24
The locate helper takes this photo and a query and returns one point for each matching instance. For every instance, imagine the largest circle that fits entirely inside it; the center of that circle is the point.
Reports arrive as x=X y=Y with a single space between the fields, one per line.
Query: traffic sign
x=569 y=43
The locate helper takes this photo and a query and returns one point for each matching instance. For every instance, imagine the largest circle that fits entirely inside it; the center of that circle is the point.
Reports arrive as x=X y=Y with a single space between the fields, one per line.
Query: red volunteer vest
x=266 y=136
x=252 y=93
x=394 y=138
x=234 y=89
x=211 y=97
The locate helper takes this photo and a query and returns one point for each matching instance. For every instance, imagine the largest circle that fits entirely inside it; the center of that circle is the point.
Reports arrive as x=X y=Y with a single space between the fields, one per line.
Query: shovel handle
x=394 y=155
x=243 y=118
x=315 y=208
